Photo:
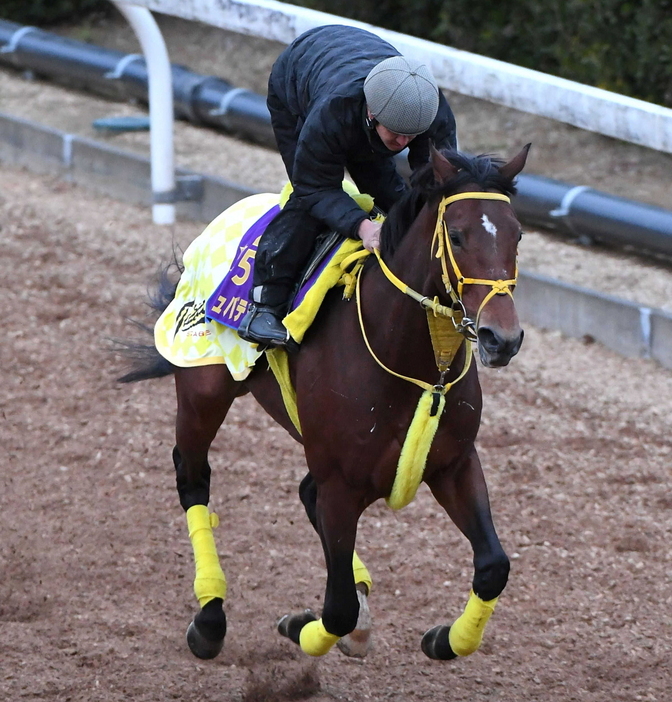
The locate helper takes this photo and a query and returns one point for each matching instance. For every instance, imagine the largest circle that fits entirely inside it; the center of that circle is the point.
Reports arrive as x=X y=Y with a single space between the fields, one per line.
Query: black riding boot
x=281 y=256
x=262 y=323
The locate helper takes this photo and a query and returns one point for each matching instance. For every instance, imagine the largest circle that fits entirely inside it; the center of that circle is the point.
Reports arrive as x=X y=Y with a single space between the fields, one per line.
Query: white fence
x=583 y=106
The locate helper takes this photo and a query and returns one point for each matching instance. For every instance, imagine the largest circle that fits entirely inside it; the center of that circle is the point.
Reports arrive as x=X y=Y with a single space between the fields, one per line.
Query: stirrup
x=261 y=326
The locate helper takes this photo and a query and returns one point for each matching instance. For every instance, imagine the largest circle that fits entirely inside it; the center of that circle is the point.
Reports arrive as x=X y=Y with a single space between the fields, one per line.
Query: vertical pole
x=160 y=109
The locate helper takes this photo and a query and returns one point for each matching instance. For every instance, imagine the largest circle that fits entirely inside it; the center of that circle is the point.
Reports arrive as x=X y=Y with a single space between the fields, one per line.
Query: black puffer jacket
x=319 y=81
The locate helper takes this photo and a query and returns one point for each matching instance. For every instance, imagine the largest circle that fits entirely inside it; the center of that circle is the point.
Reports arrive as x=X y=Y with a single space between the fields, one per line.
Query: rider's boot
x=282 y=253
x=262 y=323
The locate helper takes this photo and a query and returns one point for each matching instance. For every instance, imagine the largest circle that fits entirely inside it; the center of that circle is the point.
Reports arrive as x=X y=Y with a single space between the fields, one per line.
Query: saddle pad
x=232 y=294
x=199 y=327
x=183 y=334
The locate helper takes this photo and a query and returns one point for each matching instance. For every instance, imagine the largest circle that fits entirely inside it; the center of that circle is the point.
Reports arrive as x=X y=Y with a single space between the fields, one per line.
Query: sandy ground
x=96 y=567
x=95 y=562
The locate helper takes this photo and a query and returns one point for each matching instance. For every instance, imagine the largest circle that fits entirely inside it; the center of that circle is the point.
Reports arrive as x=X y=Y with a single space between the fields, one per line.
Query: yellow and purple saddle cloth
x=199 y=326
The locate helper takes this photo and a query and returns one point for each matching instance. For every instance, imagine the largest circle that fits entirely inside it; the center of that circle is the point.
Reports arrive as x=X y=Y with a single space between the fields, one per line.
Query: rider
x=339 y=98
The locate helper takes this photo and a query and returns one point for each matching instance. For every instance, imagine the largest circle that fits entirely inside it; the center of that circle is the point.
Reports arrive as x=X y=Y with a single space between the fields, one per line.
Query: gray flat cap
x=402 y=95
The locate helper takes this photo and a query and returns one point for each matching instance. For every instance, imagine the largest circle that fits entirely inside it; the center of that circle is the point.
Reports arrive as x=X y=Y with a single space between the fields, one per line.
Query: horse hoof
x=291 y=624
x=357 y=643
x=200 y=646
x=435 y=644
x=206 y=632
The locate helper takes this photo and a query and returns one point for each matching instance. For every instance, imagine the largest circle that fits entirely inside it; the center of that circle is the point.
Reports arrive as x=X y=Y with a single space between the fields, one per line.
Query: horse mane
x=482 y=170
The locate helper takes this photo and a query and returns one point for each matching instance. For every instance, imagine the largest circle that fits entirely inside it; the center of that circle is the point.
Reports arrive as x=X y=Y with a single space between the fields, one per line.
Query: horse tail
x=146 y=361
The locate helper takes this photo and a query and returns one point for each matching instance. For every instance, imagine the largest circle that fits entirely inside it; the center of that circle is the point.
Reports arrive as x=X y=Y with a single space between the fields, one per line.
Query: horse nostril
x=489 y=340
x=494 y=343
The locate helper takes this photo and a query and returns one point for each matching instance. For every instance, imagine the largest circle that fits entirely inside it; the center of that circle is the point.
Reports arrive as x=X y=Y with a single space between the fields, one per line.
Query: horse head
x=476 y=240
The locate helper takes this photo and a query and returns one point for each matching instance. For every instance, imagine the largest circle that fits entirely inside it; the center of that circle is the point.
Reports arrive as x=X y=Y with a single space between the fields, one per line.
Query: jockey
x=339 y=98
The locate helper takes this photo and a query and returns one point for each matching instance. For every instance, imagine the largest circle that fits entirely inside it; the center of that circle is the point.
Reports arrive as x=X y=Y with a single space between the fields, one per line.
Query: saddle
x=326 y=243
x=199 y=326
x=228 y=303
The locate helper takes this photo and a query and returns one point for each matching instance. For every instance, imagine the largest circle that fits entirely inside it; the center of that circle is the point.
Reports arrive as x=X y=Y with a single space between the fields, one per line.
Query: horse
x=386 y=396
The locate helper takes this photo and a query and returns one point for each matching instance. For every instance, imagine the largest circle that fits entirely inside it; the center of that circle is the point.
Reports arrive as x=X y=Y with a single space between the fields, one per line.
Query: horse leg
x=464 y=496
x=336 y=514
x=204 y=396
x=357 y=643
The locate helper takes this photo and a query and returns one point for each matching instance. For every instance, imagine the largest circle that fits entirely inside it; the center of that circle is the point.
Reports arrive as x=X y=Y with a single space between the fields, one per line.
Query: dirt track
x=96 y=586
x=95 y=592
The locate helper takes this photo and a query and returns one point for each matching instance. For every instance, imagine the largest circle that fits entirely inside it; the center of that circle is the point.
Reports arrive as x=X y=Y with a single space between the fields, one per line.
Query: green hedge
x=43 y=13
x=623 y=46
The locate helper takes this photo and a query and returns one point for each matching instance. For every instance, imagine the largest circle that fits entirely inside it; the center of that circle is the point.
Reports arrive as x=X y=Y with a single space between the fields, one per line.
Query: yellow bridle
x=446 y=343
x=456 y=310
x=442 y=242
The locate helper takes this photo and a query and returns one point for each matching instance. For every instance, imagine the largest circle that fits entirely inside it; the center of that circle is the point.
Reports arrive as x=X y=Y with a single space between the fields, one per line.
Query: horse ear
x=511 y=169
x=443 y=168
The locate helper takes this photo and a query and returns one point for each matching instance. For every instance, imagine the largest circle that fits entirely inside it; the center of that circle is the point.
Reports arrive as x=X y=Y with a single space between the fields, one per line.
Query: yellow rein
x=441 y=388
x=420 y=435
x=456 y=311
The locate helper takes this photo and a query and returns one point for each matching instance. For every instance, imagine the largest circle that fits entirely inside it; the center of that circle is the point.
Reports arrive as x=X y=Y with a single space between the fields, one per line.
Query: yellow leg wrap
x=209 y=581
x=315 y=640
x=361 y=572
x=466 y=633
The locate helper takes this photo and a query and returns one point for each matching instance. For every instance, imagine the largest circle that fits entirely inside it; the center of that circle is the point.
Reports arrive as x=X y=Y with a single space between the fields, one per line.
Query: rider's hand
x=369 y=233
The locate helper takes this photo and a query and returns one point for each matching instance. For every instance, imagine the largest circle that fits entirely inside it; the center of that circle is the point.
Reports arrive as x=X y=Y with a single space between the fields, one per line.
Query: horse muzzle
x=496 y=348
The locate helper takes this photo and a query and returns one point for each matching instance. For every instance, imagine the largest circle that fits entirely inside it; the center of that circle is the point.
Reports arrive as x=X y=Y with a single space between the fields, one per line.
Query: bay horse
x=386 y=397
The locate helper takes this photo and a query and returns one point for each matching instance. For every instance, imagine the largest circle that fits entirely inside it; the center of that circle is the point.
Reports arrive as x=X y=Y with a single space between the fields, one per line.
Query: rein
x=456 y=311
x=440 y=388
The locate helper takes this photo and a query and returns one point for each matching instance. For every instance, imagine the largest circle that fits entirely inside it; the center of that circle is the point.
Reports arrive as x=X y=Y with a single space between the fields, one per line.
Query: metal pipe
x=578 y=211
x=160 y=110
x=204 y=100
x=591 y=215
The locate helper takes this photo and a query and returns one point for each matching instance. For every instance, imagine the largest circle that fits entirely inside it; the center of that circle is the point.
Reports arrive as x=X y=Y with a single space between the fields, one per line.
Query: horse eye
x=454 y=236
x=520 y=235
